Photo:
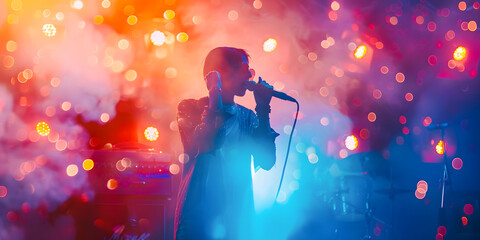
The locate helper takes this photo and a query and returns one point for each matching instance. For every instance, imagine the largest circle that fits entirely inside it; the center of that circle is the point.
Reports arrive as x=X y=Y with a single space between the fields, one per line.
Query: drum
x=350 y=201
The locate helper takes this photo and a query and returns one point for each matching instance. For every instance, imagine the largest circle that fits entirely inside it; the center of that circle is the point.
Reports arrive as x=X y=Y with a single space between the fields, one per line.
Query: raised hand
x=213 y=81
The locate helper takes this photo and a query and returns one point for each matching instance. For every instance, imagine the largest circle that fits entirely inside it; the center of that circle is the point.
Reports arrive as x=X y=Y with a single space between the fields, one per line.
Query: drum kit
x=350 y=194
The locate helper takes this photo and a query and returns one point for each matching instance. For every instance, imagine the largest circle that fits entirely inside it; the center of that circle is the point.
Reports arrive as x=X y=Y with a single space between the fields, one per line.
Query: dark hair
x=223 y=60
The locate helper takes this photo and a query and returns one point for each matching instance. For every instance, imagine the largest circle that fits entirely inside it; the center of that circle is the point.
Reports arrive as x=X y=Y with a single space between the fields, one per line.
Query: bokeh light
x=72 y=170
x=77 y=4
x=151 y=133
x=3 y=191
x=422 y=186
x=169 y=14
x=43 y=129
x=460 y=53
x=457 y=163
x=132 y=19
x=182 y=37
x=158 y=38
x=419 y=194
x=372 y=117
x=269 y=45
x=351 y=142
x=464 y=221
x=88 y=164
x=49 y=30
x=335 y=6
x=462 y=6
x=174 y=169
x=442 y=230
x=112 y=184
x=360 y=52
x=472 y=26
x=439 y=148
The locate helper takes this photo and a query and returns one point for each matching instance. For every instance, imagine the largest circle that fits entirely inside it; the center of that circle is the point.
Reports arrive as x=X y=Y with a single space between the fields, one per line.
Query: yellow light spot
x=43 y=129
x=104 y=117
x=351 y=142
x=112 y=184
x=257 y=4
x=472 y=26
x=77 y=4
x=158 y=38
x=123 y=44
x=88 y=164
x=169 y=14
x=233 y=15
x=372 y=117
x=131 y=75
x=49 y=30
x=439 y=148
x=459 y=53
x=462 y=6
x=72 y=170
x=98 y=19
x=400 y=77
x=151 y=134
x=269 y=45
x=335 y=6
x=182 y=37
x=132 y=19
x=11 y=46
x=106 y=4
x=360 y=51
x=174 y=169
x=129 y=10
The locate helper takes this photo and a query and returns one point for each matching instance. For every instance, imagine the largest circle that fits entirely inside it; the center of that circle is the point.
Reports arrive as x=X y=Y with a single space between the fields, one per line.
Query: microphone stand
x=442 y=211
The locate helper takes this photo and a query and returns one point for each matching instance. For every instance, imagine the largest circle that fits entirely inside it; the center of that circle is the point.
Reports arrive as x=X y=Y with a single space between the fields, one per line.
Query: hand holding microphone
x=263 y=87
x=214 y=85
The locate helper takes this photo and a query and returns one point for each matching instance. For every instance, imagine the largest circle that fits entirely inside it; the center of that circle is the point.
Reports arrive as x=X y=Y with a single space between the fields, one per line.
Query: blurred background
x=389 y=97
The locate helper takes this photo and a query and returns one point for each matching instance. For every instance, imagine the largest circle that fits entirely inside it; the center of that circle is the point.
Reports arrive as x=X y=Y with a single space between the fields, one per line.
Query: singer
x=215 y=200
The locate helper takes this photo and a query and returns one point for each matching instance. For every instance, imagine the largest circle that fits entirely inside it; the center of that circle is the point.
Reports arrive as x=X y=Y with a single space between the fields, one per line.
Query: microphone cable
x=288 y=150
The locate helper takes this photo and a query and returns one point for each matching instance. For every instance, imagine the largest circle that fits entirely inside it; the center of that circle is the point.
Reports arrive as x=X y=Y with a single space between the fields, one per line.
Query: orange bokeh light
x=439 y=148
x=460 y=53
x=112 y=184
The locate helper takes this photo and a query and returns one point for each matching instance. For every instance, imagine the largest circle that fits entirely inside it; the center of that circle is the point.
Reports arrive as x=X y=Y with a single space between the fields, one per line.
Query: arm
x=264 y=150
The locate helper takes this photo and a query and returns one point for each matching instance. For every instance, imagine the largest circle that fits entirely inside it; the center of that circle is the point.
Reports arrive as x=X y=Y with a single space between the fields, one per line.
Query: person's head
x=232 y=64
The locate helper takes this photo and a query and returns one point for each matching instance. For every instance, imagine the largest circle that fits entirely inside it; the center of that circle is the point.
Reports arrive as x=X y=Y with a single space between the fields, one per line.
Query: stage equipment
x=133 y=195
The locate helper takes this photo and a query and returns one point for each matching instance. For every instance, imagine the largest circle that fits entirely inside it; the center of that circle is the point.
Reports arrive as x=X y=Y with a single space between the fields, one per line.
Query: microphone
x=251 y=85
